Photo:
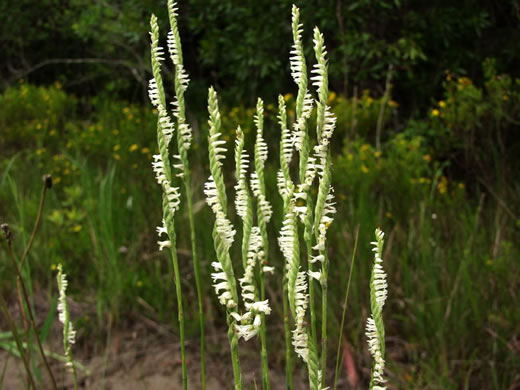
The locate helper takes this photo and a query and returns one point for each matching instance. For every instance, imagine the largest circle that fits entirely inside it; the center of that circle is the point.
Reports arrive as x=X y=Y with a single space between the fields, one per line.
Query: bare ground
x=142 y=355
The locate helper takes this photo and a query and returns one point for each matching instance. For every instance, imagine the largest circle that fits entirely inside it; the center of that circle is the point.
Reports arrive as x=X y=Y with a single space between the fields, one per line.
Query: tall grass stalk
x=340 y=335
x=161 y=166
x=264 y=213
x=285 y=188
x=324 y=208
x=19 y=344
x=184 y=135
x=26 y=301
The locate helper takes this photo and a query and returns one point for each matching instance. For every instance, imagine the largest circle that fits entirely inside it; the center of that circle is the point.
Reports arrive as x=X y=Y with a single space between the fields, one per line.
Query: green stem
x=47 y=183
x=289 y=380
x=196 y=269
x=31 y=317
x=16 y=337
x=74 y=374
x=263 y=339
x=336 y=372
x=324 y=288
x=180 y=311
x=233 y=343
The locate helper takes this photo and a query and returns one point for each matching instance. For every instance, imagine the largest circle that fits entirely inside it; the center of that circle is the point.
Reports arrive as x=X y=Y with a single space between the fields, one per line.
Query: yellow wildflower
x=435 y=112
x=117 y=157
x=331 y=98
x=76 y=228
x=442 y=104
x=287 y=96
x=442 y=185
x=364 y=168
x=116 y=148
x=427 y=158
x=145 y=150
x=133 y=147
x=464 y=81
x=377 y=154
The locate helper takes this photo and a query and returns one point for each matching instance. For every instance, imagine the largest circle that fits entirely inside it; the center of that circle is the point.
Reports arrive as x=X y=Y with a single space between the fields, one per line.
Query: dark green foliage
x=242 y=48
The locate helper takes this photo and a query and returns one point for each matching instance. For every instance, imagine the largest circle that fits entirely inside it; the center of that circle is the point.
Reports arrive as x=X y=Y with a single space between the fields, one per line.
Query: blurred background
x=427 y=96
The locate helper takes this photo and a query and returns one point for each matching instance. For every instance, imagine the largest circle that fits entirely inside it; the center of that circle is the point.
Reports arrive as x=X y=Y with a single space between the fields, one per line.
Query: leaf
x=44 y=332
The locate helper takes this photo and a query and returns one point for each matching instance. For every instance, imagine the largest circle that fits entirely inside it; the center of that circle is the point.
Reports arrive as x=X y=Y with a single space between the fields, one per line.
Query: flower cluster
x=69 y=334
x=249 y=323
x=224 y=226
x=242 y=165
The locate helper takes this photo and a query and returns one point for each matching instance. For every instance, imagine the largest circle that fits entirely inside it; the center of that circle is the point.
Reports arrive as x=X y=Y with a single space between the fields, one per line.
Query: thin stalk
x=324 y=290
x=289 y=379
x=233 y=343
x=384 y=101
x=336 y=372
x=47 y=183
x=312 y=306
x=180 y=311
x=19 y=345
x=183 y=144
x=262 y=220
x=31 y=317
x=196 y=270
x=26 y=325
x=263 y=341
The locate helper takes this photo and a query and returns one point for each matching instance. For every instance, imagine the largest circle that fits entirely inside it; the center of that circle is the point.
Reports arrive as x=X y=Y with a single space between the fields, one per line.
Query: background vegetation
x=439 y=79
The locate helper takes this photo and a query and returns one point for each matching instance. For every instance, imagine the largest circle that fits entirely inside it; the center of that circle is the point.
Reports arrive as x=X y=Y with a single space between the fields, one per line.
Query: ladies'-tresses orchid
x=215 y=199
x=69 y=334
x=162 y=165
x=375 y=330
